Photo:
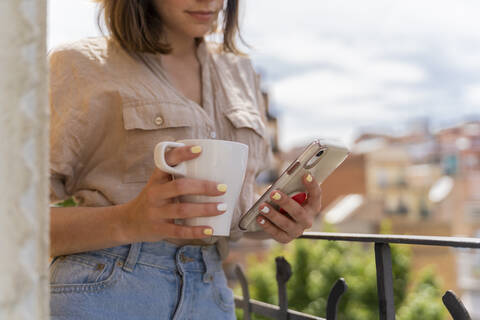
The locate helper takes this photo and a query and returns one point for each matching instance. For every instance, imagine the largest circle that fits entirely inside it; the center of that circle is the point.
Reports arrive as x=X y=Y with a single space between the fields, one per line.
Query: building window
x=450 y=164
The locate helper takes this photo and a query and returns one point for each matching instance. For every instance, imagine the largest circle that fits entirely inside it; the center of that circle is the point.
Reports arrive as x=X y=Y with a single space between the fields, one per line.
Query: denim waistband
x=168 y=256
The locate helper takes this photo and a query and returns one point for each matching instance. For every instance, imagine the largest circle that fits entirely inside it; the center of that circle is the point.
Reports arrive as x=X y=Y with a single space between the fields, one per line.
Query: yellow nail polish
x=276 y=196
x=222 y=187
x=196 y=149
x=208 y=232
x=309 y=178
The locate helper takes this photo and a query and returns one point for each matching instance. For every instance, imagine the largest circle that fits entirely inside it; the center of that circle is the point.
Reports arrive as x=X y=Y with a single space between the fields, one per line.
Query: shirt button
x=158 y=121
x=213 y=134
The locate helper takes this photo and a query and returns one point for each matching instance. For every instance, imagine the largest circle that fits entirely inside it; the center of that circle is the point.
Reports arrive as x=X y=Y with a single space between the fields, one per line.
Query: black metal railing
x=383 y=262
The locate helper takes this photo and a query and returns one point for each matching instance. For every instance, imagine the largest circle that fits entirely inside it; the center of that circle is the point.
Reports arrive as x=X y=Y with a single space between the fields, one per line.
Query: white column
x=24 y=123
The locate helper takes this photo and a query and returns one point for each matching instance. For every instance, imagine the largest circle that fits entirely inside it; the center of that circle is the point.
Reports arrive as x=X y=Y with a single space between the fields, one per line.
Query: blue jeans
x=157 y=280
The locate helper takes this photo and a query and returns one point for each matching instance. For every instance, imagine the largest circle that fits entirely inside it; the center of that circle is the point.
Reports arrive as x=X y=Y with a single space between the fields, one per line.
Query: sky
x=337 y=68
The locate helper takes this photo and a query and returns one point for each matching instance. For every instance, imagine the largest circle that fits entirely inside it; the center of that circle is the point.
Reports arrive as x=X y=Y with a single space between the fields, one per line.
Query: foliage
x=316 y=265
x=419 y=304
x=70 y=202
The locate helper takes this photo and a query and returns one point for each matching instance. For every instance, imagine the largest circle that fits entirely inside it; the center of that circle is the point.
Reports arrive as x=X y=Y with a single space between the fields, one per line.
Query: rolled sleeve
x=68 y=123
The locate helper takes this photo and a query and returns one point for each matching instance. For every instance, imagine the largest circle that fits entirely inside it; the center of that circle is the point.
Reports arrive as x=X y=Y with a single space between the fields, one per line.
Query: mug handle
x=159 y=157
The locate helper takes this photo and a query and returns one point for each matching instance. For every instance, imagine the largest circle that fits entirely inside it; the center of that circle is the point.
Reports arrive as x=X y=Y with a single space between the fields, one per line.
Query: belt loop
x=209 y=261
x=132 y=257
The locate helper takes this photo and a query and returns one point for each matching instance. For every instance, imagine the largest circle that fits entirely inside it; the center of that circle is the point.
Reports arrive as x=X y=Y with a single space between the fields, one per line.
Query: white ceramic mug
x=224 y=162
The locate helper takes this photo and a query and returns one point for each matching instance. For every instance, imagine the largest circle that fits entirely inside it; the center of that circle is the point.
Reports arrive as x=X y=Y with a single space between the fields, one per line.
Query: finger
x=314 y=193
x=185 y=232
x=176 y=155
x=292 y=228
x=185 y=186
x=190 y=210
x=295 y=210
x=173 y=157
x=158 y=176
x=274 y=231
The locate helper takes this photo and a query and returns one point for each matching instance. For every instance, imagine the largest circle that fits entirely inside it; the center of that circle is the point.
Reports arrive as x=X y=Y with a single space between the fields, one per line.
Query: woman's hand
x=150 y=216
x=283 y=228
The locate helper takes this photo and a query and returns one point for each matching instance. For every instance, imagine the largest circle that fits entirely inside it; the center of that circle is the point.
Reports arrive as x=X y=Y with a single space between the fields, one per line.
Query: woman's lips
x=203 y=16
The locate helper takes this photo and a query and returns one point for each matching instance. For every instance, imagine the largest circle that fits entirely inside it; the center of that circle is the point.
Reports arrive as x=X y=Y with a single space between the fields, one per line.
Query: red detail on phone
x=299 y=197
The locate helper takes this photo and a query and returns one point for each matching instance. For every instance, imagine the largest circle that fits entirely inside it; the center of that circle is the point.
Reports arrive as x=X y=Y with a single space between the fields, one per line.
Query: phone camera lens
x=319 y=153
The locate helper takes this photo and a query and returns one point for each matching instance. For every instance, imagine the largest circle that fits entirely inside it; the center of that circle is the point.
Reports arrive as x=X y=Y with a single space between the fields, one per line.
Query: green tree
x=70 y=202
x=419 y=304
x=316 y=265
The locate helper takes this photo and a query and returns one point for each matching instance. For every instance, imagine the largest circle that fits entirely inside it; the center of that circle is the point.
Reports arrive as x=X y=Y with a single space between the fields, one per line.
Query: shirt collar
x=202 y=52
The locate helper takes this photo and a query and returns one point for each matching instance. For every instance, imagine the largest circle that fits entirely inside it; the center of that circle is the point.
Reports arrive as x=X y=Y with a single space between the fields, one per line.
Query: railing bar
x=284 y=272
x=246 y=294
x=457 y=242
x=270 y=310
x=282 y=300
x=334 y=296
x=455 y=306
x=383 y=261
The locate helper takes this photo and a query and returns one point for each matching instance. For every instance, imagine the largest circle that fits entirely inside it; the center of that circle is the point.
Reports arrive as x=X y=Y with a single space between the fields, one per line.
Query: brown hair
x=137 y=27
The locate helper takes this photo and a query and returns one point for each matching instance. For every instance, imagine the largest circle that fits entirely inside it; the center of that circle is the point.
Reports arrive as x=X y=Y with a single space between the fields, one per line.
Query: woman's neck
x=182 y=46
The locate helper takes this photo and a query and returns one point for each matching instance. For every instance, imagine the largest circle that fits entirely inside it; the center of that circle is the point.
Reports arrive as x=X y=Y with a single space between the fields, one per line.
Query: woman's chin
x=198 y=32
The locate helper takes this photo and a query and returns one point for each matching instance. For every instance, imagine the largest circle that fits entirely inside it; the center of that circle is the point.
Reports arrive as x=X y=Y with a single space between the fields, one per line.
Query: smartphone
x=320 y=158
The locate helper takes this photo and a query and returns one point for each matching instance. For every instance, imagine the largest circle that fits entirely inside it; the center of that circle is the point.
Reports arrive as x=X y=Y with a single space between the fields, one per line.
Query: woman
x=119 y=255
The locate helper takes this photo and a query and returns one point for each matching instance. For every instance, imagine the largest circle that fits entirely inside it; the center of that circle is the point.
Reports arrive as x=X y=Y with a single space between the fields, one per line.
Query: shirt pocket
x=146 y=124
x=249 y=128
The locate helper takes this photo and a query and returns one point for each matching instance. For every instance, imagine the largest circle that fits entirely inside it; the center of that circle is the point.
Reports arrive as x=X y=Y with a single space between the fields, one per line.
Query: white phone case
x=320 y=158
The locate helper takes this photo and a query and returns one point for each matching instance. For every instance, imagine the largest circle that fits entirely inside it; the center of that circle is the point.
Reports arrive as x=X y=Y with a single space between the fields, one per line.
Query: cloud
x=341 y=64
x=472 y=95
x=320 y=86
x=378 y=18
x=367 y=93
x=301 y=131
x=393 y=71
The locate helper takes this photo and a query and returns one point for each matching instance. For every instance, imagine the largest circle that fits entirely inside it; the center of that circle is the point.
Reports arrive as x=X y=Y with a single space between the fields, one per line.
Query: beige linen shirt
x=109 y=110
